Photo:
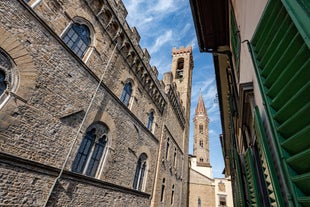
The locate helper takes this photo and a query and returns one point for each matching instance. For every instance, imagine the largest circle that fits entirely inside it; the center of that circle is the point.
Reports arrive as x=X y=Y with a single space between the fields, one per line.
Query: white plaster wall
x=227 y=193
x=207 y=171
x=248 y=13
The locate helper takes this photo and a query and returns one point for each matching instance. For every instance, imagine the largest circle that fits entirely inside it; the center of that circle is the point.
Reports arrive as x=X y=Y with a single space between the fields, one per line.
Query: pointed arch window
x=199 y=202
x=91 y=150
x=150 y=120
x=140 y=172
x=200 y=159
x=126 y=94
x=77 y=37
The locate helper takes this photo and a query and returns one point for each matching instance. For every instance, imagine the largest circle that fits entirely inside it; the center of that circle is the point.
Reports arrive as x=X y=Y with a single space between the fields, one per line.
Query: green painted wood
x=235 y=40
x=299 y=142
x=275 y=196
x=267 y=47
x=299 y=10
x=265 y=24
x=251 y=179
x=239 y=198
x=303 y=182
x=300 y=162
x=282 y=65
x=304 y=201
x=289 y=73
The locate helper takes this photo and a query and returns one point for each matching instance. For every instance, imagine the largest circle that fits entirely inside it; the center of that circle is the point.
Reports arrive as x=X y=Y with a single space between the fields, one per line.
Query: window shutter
x=251 y=179
x=235 y=40
x=271 y=181
x=280 y=50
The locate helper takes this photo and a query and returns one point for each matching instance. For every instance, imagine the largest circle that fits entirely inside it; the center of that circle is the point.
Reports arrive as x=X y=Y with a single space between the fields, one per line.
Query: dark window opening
x=172 y=195
x=91 y=150
x=180 y=68
x=162 y=191
x=174 y=157
x=150 y=120
x=201 y=143
x=167 y=148
x=126 y=94
x=199 y=202
x=201 y=129
x=140 y=172
x=3 y=84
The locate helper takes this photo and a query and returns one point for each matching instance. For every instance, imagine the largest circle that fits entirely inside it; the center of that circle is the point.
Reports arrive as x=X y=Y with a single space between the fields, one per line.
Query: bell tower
x=182 y=68
x=201 y=135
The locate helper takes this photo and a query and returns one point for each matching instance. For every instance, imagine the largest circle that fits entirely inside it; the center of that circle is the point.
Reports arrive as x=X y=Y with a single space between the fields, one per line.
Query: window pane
x=95 y=159
x=150 y=121
x=142 y=176
x=126 y=94
x=2 y=82
x=78 y=39
x=135 y=182
x=85 y=147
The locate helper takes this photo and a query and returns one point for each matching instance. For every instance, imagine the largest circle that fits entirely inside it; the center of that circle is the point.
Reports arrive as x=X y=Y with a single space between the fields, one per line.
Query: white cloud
x=161 y=40
x=164 y=6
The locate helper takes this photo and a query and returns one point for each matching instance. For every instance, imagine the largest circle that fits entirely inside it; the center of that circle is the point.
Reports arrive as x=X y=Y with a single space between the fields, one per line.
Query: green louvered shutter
x=271 y=181
x=238 y=191
x=251 y=179
x=235 y=40
x=280 y=49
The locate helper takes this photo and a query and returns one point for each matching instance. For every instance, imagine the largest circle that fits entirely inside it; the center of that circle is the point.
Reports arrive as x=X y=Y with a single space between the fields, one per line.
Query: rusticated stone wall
x=39 y=120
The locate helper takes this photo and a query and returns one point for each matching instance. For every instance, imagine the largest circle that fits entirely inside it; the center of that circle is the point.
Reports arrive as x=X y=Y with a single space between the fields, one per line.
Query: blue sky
x=162 y=25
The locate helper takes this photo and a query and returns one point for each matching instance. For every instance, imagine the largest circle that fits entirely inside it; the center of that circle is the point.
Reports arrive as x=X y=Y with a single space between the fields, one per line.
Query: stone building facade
x=261 y=55
x=201 y=183
x=204 y=190
x=84 y=120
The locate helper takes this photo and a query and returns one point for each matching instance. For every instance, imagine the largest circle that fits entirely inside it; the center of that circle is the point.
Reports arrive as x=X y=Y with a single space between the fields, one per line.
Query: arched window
x=167 y=148
x=77 y=37
x=180 y=68
x=162 y=190
x=172 y=195
x=90 y=153
x=150 y=120
x=126 y=94
x=8 y=76
x=200 y=159
x=140 y=172
x=200 y=143
x=201 y=129
x=199 y=202
x=175 y=157
x=3 y=84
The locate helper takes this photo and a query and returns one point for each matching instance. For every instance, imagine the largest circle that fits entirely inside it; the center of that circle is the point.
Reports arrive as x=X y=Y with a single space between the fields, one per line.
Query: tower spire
x=201 y=109
x=201 y=135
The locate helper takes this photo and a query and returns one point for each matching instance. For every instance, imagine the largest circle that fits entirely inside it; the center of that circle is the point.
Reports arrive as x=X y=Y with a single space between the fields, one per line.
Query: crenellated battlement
x=112 y=17
x=182 y=50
